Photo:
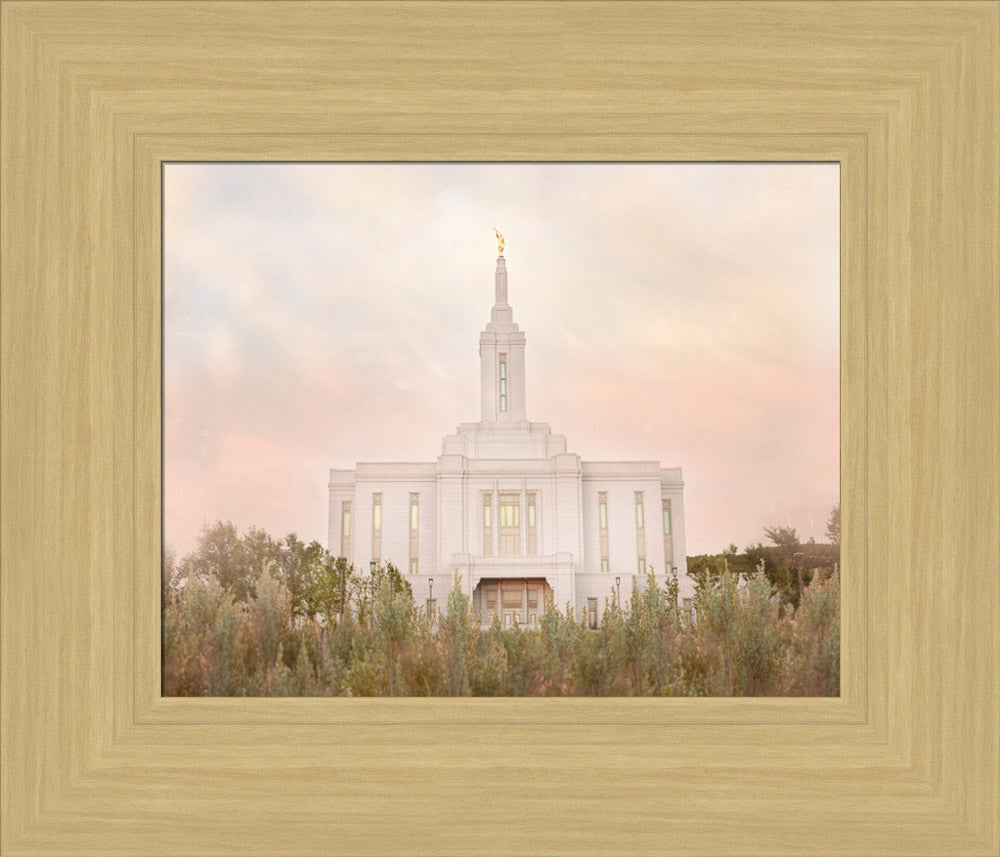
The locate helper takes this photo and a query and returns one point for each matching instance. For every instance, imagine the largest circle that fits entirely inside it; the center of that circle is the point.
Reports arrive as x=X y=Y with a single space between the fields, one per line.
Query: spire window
x=503 y=382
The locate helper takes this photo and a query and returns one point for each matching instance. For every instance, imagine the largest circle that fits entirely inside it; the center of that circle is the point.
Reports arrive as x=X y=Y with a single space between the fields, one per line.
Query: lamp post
x=618 y=586
x=430 y=597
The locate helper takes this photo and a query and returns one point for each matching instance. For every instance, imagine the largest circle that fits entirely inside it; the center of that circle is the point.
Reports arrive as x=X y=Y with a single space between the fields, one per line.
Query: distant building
x=507 y=508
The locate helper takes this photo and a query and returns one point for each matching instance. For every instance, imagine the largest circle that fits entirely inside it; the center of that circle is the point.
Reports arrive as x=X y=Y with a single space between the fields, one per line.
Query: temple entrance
x=518 y=601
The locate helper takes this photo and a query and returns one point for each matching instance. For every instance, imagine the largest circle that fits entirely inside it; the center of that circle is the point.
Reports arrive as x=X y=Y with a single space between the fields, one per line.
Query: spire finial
x=499 y=241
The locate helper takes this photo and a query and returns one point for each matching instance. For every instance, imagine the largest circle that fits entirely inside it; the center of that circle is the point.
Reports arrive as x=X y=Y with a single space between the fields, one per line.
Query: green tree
x=833 y=526
x=789 y=561
x=718 y=614
x=558 y=632
x=597 y=659
x=459 y=631
x=659 y=617
x=394 y=617
x=234 y=562
x=284 y=634
x=521 y=657
x=816 y=643
x=757 y=647
x=316 y=580
x=225 y=645
x=170 y=576
x=783 y=537
x=298 y=562
x=488 y=669
x=202 y=641
x=636 y=630
x=423 y=664
x=270 y=618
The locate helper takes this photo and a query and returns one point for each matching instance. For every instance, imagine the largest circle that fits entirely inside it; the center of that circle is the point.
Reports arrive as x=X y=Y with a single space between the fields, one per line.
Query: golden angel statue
x=499 y=241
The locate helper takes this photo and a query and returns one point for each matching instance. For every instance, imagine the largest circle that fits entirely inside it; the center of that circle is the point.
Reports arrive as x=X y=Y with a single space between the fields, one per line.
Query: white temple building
x=511 y=511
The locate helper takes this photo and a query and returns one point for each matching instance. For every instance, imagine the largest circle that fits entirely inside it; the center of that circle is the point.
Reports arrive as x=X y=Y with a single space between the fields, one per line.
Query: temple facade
x=510 y=510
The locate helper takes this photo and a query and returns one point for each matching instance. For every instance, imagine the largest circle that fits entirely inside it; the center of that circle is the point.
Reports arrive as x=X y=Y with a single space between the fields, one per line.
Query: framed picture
x=320 y=338
x=97 y=97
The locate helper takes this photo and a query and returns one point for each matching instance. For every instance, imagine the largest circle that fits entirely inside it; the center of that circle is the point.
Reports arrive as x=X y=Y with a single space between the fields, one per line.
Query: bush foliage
x=252 y=616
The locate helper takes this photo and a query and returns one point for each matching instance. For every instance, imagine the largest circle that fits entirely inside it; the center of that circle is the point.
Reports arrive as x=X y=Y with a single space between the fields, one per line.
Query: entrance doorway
x=514 y=601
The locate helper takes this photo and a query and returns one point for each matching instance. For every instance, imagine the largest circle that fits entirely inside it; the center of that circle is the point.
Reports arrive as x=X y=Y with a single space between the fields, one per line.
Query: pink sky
x=316 y=315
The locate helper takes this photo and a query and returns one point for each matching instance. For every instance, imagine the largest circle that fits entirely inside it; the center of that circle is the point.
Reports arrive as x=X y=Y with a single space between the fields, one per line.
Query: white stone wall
x=672 y=488
x=568 y=554
x=523 y=440
x=621 y=480
x=395 y=482
x=341 y=488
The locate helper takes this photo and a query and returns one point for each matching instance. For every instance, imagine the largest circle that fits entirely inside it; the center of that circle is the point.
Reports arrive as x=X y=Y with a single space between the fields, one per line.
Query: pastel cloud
x=316 y=315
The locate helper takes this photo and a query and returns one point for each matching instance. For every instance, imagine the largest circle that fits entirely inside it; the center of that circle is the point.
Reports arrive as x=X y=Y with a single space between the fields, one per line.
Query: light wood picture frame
x=95 y=96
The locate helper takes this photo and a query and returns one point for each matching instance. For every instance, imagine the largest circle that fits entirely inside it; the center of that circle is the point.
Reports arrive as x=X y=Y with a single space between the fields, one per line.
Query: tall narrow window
x=414 y=531
x=487 y=525
x=376 y=527
x=668 y=538
x=532 y=541
x=345 y=529
x=510 y=524
x=602 y=515
x=503 y=382
x=591 y=612
x=640 y=532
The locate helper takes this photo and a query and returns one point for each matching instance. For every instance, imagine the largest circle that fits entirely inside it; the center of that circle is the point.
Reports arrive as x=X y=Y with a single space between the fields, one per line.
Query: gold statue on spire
x=499 y=241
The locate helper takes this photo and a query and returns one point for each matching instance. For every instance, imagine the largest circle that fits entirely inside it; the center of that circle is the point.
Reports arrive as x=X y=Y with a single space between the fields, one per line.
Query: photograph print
x=501 y=429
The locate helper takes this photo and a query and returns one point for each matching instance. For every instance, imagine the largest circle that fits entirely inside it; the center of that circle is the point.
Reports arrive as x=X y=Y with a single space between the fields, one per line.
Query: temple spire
x=501 y=314
x=500 y=284
x=501 y=354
